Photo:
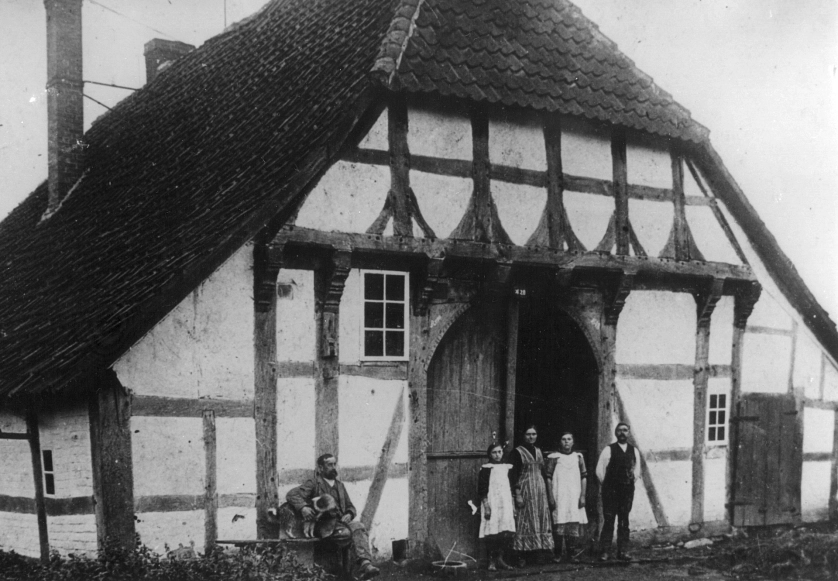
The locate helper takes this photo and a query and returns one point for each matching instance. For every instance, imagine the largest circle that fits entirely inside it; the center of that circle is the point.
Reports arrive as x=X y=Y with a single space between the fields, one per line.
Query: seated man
x=346 y=531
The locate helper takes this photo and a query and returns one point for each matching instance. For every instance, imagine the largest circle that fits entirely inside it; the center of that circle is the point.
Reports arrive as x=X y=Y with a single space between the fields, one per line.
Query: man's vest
x=620 y=470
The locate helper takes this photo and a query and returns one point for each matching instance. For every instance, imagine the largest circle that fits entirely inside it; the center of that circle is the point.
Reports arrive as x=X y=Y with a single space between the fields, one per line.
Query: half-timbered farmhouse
x=394 y=230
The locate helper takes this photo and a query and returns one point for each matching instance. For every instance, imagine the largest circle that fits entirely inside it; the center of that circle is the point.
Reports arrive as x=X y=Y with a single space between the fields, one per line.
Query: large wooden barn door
x=466 y=380
x=768 y=461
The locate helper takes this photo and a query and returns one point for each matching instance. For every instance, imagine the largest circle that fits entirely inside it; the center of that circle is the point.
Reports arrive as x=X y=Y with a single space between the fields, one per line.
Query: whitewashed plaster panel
x=830 y=382
x=66 y=432
x=715 y=488
x=709 y=236
x=519 y=209
x=766 y=363
x=818 y=429
x=814 y=491
x=376 y=137
x=159 y=529
x=652 y=222
x=235 y=455
x=366 y=409
x=350 y=318
x=586 y=149
x=295 y=323
x=667 y=336
x=439 y=132
x=516 y=139
x=168 y=455
x=589 y=215
x=647 y=161
x=721 y=332
x=807 y=365
x=348 y=198
x=295 y=423
x=442 y=199
x=673 y=482
x=656 y=409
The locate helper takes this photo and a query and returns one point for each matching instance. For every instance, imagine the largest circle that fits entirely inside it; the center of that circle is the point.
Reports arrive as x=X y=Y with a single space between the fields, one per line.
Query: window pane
x=49 y=483
x=395 y=343
x=712 y=435
x=713 y=399
x=374 y=315
x=712 y=418
x=395 y=287
x=395 y=315
x=721 y=434
x=373 y=286
x=47 y=460
x=722 y=398
x=721 y=418
x=373 y=343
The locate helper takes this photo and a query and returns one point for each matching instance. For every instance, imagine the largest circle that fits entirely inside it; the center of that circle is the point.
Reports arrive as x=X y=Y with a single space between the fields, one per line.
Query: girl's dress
x=533 y=521
x=493 y=483
x=567 y=472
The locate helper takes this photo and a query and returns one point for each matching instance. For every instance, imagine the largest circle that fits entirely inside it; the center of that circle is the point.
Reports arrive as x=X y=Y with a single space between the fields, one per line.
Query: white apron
x=500 y=502
x=567 y=486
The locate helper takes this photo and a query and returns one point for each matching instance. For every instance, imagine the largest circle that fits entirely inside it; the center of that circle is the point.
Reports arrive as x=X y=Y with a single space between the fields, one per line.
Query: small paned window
x=385 y=315
x=717 y=417
x=49 y=473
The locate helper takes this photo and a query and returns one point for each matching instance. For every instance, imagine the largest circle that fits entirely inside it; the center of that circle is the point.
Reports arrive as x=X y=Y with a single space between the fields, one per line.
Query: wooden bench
x=307 y=551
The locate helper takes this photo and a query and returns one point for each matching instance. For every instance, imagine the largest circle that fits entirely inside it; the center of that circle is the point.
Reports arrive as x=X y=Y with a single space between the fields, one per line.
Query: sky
x=762 y=75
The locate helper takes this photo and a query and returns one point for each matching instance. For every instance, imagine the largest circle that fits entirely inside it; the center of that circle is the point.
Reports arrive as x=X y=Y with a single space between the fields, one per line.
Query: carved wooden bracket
x=332 y=280
x=616 y=295
x=267 y=260
x=706 y=301
x=426 y=283
x=745 y=299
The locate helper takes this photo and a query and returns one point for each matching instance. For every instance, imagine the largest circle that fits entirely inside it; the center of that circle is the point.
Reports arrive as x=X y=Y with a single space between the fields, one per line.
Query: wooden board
x=465 y=403
x=768 y=460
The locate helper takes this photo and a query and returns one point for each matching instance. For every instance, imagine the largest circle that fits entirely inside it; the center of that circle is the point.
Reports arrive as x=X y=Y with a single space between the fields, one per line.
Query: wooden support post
x=399 y=167
x=481 y=222
x=606 y=404
x=705 y=304
x=267 y=260
x=329 y=283
x=417 y=436
x=833 y=480
x=744 y=301
x=681 y=244
x=554 y=230
x=620 y=176
x=388 y=452
x=38 y=477
x=211 y=487
x=113 y=475
x=512 y=322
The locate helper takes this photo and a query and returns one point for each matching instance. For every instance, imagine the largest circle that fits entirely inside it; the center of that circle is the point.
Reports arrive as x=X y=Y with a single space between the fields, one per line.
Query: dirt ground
x=778 y=553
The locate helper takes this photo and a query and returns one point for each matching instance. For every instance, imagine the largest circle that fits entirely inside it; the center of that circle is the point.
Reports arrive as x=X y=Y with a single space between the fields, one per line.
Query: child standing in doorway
x=497 y=521
x=567 y=486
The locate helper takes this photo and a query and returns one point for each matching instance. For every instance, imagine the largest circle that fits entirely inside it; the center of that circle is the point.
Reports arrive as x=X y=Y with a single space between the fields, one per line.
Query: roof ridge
x=393 y=46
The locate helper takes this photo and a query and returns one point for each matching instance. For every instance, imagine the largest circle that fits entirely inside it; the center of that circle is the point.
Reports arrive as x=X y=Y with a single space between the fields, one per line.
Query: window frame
x=48 y=473
x=725 y=391
x=362 y=301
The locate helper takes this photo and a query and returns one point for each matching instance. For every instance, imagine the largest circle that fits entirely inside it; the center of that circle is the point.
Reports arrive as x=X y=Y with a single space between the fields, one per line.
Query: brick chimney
x=159 y=52
x=64 y=98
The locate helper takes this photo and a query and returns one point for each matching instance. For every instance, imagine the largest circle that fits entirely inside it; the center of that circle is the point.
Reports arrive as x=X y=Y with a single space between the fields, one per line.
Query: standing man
x=347 y=531
x=617 y=470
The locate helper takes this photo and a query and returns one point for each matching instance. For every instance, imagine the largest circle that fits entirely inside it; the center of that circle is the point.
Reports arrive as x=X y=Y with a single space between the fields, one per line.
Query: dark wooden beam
x=667 y=371
x=329 y=281
x=705 y=304
x=744 y=300
x=113 y=475
x=681 y=244
x=385 y=460
x=38 y=476
x=13 y=436
x=652 y=272
x=616 y=295
x=176 y=407
x=481 y=222
x=266 y=265
x=211 y=482
x=399 y=166
x=512 y=323
x=620 y=173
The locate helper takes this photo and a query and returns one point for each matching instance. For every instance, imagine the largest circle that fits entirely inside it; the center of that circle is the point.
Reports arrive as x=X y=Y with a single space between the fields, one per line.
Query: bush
x=271 y=563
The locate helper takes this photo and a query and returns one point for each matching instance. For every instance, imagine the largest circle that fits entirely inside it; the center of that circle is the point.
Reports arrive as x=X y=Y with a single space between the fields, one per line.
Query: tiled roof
x=177 y=176
x=542 y=54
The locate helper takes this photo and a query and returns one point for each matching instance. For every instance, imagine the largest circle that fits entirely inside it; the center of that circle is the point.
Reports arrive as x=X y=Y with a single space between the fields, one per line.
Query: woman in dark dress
x=532 y=521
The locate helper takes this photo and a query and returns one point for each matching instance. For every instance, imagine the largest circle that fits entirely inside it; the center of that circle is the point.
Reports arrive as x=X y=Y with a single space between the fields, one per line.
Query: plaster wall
x=652 y=222
x=673 y=482
x=807 y=365
x=715 y=487
x=666 y=337
x=586 y=149
x=348 y=198
x=818 y=428
x=814 y=492
x=204 y=347
x=519 y=208
x=19 y=533
x=642 y=517
x=16 y=476
x=830 y=382
x=656 y=410
x=709 y=236
x=295 y=424
x=164 y=531
x=66 y=433
x=73 y=534
x=588 y=215
x=721 y=332
x=442 y=199
x=647 y=161
x=295 y=324
x=766 y=363
x=235 y=441
x=366 y=410
x=376 y=137
x=238 y=522
x=168 y=456
x=350 y=319
x=516 y=139
x=439 y=131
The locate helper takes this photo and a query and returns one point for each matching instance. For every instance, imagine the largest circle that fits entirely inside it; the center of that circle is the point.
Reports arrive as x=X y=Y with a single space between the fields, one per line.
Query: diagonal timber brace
x=616 y=295
x=706 y=301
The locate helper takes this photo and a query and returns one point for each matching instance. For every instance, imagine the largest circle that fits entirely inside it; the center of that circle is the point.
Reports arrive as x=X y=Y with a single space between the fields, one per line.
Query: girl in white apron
x=567 y=484
x=497 y=522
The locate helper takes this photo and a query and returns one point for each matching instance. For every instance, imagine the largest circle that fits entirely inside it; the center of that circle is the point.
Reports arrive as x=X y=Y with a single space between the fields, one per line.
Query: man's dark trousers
x=617 y=497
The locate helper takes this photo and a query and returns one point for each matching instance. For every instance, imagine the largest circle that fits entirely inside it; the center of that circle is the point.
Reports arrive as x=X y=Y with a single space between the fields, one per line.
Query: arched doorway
x=557 y=378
